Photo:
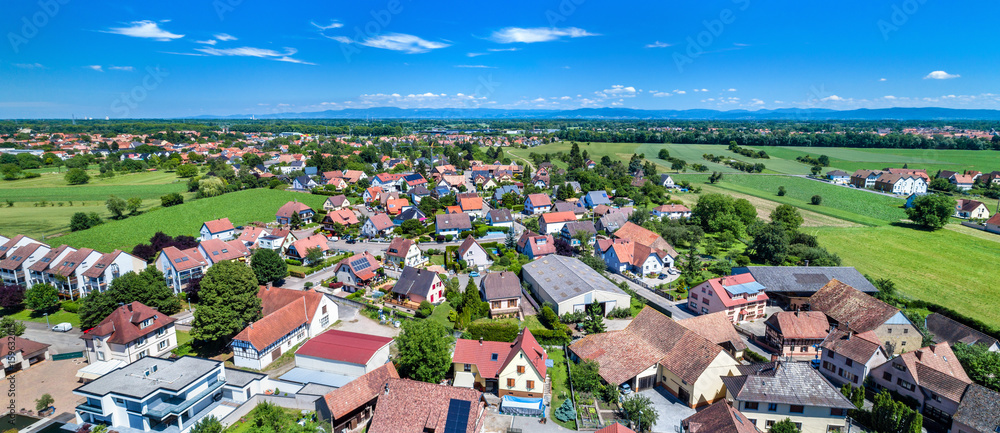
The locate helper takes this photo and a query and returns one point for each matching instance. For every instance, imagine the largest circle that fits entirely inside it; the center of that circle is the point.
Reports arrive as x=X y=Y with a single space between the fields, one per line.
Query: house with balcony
x=216 y=250
x=357 y=272
x=740 y=296
x=14 y=269
x=844 y=305
x=165 y=395
x=109 y=267
x=573 y=229
x=67 y=274
x=38 y=271
x=502 y=290
x=770 y=392
x=535 y=204
x=14 y=243
x=131 y=332
x=452 y=224
x=180 y=267
x=285 y=212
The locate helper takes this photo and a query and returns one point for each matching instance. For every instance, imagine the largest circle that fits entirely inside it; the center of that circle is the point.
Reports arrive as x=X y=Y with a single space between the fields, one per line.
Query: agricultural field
x=240 y=207
x=946 y=267
x=932 y=160
x=27 y=217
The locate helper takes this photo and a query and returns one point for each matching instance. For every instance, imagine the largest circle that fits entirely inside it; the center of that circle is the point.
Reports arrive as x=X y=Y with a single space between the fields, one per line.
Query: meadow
x=240 y=207
x=28 y=218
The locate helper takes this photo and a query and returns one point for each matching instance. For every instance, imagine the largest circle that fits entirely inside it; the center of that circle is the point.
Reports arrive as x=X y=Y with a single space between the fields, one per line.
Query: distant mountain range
x=930 y=113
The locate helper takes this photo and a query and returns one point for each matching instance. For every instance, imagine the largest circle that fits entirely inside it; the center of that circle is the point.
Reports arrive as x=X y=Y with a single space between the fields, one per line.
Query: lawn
x=852 y=159
x=946 y=267
x=240 y=207
x=440 y=315
x=54 y=318
x=560 y=385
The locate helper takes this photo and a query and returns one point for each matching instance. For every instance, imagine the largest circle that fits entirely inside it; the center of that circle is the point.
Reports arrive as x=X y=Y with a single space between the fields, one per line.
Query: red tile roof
x=250 y=234
x=399 y=247
x=218 y=250
x=471 y=204
x=67 y=266
x=49 y=258
x=274 y=298
x=342 y=216
x=715 y=327
x=101 y=265
x=274 y=326
x=615 y=428
x=395 y=206
x=641 y=235
x=538 y=200
x=720 y=417
x=349 y=347
x=467 y=244
x=363 y=274
x=530 y=239
x=649 y=339
x=286 y=210
x=183 y=260
x=937 y=368
x=302 y=246
x=481 y=354
x=123 y=324
x=358 y=392
x=408 y=406
x=557 y=217
x=381 y=221
x=536 y=355
x=220 y=225
x=847 y=305
x=800 y=325
x=17 y=257
x=22 y=345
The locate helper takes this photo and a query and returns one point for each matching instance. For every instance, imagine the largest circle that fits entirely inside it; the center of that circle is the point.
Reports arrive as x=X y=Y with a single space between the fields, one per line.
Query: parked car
x=474 y=274
x=63 y=327
x=352 y=241
x=334 y=238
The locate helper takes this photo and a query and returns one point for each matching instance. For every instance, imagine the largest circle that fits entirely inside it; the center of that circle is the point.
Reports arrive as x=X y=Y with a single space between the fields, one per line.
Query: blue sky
x=184 y=58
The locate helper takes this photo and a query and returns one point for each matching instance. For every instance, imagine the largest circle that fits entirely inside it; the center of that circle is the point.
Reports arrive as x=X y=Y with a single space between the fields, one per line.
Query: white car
x=63 y=327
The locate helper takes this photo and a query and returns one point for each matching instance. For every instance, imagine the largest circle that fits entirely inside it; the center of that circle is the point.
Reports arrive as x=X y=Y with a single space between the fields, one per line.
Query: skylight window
x=494 y=356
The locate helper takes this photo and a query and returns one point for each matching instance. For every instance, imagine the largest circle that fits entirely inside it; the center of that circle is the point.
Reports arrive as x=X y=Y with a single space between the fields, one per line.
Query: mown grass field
x=240 y=207
x=946 y=267
x=63 y=200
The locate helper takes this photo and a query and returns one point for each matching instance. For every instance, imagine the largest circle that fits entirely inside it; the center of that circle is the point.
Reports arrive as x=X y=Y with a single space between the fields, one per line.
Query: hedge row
x=550 y=337
x=492 y=331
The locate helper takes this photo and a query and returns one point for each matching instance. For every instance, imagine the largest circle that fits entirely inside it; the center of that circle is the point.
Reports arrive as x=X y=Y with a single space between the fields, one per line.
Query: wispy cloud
x=476 y=66
x=475 y=54
x=208 y=42
x=618 y=91
x=263 y=53
x=225 y=37
x=122 y=68
x=511 y=35
x=333 y=25
x=498 y=50
x=29 y=65
x=145 y=29
x=658 y=44
x=97 y=68
x=662 y=94
x=940 y=75
x=409 y=44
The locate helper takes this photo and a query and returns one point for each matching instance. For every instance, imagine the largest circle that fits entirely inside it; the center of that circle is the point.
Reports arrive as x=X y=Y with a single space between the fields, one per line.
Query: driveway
x=315 y=278
x=670 y=409
x=61 y=342
x=676 y=311
x=363 y=325
x=56 y=378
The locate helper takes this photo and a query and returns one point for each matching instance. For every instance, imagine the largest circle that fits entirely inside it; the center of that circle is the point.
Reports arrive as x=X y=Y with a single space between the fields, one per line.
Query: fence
x=69 y=355
x=974 y=225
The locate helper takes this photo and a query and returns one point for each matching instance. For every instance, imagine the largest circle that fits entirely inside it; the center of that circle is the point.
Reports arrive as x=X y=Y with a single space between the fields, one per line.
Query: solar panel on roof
x=458 y=416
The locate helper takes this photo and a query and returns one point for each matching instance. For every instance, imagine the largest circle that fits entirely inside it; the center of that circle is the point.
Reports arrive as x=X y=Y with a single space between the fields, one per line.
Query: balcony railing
x=178 y=406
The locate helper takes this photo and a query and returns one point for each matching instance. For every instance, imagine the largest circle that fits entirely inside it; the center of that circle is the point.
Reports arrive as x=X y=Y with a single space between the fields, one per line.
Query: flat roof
x=306 y=376
x=163 y=374
x=564 y=278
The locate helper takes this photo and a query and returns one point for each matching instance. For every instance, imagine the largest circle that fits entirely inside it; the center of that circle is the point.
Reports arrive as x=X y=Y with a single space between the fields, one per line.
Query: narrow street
x=676 y=311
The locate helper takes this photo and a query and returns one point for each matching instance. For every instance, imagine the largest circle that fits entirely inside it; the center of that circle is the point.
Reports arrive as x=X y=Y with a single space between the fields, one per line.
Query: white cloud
x=834 y=98
x=122 y=68
x=731 y=90
x=756 y=101
x=940 y=75
x=409 y=44
x=498 y=50
x=145 y=29
x=538 y=100
x=97 y=68
x=618 y=91
x=29 y=65
x=225 y=37
x=889 y=97
x=658 y=44
x=263 y=53
x=662 y=94
x=475 y=54
x=511 y=35
x=333 y=25
x=208 y=42
x=679 y=92
x=476 y=66
x=423 y=100
x=882 y=79
x=565 y=98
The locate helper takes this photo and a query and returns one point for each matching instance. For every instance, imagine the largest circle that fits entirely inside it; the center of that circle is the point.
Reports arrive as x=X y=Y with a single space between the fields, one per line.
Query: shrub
x=493 y=331
x=781 y=191
x=171 y=199
x=70 y=307
x=293 y=262
x=752 y=356
x=816 y=200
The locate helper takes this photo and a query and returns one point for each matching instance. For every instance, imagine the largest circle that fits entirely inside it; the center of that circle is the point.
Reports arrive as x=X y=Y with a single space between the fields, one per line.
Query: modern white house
x=217 y=229
x=165 y=395
x=109 y=267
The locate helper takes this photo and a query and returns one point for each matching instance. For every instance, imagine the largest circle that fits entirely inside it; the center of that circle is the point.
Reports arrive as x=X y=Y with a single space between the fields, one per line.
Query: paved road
x=315 y=277
x=676 y=311
x=61 y=342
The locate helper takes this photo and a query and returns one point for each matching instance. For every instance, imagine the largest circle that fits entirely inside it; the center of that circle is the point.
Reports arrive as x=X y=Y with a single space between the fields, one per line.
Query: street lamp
x=47 y=321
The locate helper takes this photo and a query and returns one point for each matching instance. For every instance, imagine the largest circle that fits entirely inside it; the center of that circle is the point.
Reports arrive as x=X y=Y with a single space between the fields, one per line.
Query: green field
x=849 y=204
x=240 y=207
x=945 y=267
x=27 y=218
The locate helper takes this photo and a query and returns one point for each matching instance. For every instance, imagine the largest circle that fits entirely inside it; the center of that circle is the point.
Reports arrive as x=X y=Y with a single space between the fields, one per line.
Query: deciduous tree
x=267 y=266
x=932 y=211
x=42 y=297
x=229 y=303
x=424 y=351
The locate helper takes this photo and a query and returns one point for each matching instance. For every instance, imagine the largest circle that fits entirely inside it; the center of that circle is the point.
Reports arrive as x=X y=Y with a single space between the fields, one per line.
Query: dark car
x=352 y=241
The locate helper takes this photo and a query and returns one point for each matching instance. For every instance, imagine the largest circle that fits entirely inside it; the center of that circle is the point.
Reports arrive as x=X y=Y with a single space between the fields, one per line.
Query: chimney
x=796 y=313
x=849 y=333
x=480 y=341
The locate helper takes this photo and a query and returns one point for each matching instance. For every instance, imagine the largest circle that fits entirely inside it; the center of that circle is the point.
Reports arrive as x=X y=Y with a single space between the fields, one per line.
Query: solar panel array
x=360 y=264
x=458 y=416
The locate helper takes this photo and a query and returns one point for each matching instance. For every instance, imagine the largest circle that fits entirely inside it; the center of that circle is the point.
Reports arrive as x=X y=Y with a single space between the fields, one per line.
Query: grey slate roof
x=500 y=216
x=979 y=409
x=501 y=285
x=793 y=383
x=170 y=374
x=241 y=378
x=567 y=277
x=946 y=329
x=808 y=278
x=414 y=281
